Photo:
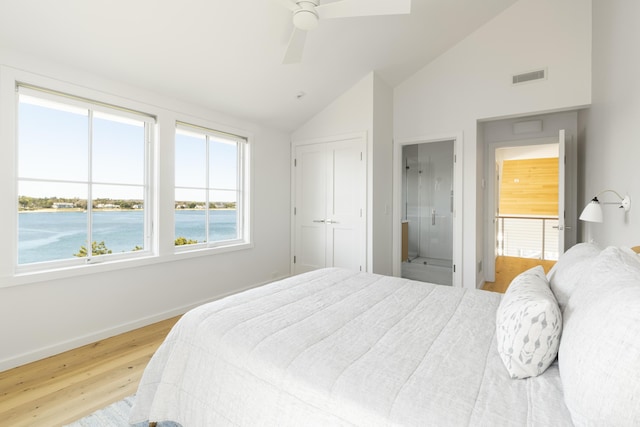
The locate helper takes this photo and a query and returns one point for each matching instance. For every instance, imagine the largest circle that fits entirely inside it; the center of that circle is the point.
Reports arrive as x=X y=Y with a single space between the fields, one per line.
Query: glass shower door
x=437 y=217
x=428 y=209
x=412 y=199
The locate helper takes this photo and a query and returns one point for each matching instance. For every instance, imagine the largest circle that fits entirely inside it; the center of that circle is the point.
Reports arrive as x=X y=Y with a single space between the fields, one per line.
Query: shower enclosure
x=428 y=211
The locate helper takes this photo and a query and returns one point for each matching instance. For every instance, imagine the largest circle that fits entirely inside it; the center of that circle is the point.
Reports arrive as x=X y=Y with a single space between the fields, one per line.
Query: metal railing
x=528 y=236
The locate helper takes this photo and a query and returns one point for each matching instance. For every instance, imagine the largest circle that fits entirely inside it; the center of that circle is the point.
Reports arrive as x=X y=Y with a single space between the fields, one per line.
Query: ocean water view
x=56 y=235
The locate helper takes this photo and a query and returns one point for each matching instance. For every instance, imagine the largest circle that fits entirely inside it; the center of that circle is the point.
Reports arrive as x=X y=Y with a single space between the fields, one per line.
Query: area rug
x=115 y=415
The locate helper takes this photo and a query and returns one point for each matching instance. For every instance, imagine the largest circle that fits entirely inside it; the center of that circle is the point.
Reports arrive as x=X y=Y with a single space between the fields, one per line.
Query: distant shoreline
x=109 y=210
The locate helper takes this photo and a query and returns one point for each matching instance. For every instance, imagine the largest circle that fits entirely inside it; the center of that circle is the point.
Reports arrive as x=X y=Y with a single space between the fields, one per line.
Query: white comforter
x=334 y=347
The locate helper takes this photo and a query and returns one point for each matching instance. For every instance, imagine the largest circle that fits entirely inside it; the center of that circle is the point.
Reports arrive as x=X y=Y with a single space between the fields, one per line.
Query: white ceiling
x=226 y=54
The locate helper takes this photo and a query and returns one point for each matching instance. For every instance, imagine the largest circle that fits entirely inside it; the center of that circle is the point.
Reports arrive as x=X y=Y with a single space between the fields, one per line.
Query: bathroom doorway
x=428 y=211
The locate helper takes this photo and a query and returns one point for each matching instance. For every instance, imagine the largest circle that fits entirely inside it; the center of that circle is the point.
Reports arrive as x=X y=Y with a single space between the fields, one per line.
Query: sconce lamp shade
x=592 y=212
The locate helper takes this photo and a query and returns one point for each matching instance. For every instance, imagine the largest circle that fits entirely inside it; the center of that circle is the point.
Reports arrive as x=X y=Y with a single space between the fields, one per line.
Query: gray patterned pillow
x=528 y=325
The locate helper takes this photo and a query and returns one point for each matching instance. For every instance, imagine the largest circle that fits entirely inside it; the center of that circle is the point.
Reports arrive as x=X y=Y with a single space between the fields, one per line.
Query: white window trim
x=163 y=245
x=242 y=202
x=95 y=106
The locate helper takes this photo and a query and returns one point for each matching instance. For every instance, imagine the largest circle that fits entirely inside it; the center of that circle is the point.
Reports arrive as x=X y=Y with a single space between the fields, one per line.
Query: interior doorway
x=524 y=133
x=398 y=225
x=528 y=197
x=427 y=212
x=527 y=202
x=526 y=209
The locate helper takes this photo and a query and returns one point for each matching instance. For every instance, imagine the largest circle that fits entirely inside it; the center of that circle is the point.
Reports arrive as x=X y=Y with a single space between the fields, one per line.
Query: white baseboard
x=61 y=347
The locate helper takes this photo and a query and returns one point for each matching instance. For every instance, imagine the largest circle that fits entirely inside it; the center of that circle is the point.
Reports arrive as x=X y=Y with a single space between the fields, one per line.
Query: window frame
x=92 y=106
x=243 y=188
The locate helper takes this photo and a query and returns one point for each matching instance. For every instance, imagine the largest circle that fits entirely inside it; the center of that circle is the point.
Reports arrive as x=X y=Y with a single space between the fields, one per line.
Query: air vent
x=529 y=77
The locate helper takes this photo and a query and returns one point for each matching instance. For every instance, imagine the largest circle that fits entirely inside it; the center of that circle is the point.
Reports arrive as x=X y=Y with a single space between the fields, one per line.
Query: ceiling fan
x=307 y=14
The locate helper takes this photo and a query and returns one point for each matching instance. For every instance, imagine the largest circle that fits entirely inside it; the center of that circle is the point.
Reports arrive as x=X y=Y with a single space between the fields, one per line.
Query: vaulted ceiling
x=226 y=55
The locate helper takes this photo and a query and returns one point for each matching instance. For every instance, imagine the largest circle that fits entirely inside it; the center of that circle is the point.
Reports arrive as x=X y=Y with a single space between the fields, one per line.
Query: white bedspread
x=334 y=347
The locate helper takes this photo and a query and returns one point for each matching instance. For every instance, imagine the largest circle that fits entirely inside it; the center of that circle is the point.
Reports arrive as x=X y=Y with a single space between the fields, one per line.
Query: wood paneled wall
x=529 y=187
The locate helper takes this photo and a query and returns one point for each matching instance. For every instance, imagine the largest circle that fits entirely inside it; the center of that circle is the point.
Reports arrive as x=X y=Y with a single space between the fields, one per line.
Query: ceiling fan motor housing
x=306 y=18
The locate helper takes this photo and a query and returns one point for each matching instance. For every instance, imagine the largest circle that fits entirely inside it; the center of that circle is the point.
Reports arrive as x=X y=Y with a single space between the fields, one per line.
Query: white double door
x=330 y=191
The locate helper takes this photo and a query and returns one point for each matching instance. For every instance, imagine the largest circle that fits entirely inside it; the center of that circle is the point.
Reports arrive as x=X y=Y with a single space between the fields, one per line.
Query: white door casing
x=567 y=171
x=458 y=168
x=562 y=161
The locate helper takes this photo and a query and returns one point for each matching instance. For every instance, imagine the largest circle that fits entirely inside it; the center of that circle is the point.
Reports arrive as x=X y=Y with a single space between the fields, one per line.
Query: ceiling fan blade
x=289 y=4
x=349 y=8
x=295 y=47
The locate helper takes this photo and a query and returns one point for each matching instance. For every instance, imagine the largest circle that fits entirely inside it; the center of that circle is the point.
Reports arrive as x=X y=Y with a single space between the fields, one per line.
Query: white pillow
x=572 y=266
x=599 y=356
x=528 y=325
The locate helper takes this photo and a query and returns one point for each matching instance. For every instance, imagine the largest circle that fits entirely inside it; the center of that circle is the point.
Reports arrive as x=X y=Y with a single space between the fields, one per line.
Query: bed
x=335 y=347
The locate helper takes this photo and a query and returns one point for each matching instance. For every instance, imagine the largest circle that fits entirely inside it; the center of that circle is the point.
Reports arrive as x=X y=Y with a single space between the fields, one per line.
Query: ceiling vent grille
x=529 y=77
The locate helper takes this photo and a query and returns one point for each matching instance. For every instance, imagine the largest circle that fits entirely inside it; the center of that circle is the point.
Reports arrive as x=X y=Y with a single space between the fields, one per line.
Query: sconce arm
x=625 y=202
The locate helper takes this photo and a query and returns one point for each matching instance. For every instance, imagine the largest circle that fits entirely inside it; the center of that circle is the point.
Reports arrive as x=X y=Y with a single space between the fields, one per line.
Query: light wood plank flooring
x=66 y=387
x=507 y=268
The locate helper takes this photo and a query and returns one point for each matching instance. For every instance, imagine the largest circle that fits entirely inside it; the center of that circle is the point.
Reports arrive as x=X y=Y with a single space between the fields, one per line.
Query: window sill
x=115 y=265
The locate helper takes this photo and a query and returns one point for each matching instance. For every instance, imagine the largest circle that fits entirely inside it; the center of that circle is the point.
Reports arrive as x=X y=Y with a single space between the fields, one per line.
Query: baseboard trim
x=61 y=347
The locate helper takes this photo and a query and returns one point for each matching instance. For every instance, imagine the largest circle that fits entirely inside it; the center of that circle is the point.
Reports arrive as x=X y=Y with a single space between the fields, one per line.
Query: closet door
x=329 y=206
x=311 y=165
x=346 y=201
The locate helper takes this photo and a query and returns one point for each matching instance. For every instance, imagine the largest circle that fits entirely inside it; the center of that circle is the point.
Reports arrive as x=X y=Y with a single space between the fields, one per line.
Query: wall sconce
x=593 y=211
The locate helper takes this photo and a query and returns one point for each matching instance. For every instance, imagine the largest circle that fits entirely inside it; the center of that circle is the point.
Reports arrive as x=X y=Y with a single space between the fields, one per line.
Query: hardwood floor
x=507 y=268
x=66 y=387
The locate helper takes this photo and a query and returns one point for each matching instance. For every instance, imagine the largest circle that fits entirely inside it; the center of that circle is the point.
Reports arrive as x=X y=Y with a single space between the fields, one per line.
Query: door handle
x=326 y=221
x=559 y=227
x=451 y=201
x=433 y=217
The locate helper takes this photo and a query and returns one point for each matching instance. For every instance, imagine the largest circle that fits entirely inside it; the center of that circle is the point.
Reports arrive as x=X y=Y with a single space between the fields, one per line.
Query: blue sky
x=53 y=145
x=191 y=159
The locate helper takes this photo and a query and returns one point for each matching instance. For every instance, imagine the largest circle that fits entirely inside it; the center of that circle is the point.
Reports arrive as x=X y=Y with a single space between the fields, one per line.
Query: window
x=210 y=205
x=82 y=180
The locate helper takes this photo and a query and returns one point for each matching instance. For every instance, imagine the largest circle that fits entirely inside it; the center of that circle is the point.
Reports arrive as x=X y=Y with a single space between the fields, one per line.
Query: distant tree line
x=212 y=205
x=26 y=203
x=32 y=203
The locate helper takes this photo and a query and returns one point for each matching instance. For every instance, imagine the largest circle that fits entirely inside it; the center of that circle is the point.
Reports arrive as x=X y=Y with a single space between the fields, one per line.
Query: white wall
x=612 y=126
x=472 y=81
x=350 y=112
x=366 y=107
x=47 y=316
x=382 y=132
